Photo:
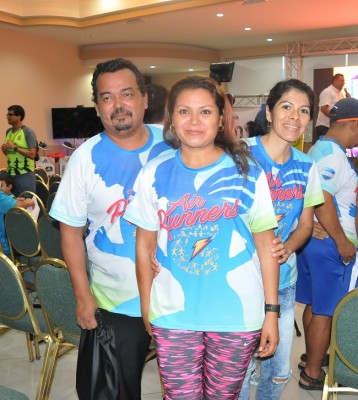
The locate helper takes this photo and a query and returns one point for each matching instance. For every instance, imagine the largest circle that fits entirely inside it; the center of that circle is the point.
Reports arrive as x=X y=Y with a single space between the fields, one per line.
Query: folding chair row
x=55 y=322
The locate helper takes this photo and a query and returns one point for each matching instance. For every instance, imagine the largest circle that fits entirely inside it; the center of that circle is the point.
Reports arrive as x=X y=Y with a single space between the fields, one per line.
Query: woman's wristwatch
x=273 y=308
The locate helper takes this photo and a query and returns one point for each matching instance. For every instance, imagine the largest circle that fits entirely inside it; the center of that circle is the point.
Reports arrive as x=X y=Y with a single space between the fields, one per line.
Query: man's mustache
x=122 y=111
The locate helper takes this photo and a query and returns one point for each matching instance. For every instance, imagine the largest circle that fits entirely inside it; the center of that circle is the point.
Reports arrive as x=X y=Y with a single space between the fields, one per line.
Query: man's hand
x=319 y=232
x=347 y=251
x=85 y=313
x=8 y=146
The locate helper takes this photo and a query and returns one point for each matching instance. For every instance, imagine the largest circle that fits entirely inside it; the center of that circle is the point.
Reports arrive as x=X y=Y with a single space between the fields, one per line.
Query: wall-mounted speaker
x=222 y=72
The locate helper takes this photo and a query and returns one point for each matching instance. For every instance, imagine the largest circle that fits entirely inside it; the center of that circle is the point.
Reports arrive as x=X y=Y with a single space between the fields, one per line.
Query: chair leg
x=29 y=339
x=48 y=370
x=37 y=347
x=325 y=393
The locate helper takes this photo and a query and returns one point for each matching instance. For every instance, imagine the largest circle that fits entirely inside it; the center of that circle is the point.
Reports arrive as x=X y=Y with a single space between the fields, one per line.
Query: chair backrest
x=42 y=172
x=343 y=368
x=16 y=310
x=39 y=178
x=54 y=178
x=42 y=207
x=21 y=231
x=11 y=394
x=50 y=200
x=42 y=191
x=50 y=237
x=54 y=289
x=53 y=187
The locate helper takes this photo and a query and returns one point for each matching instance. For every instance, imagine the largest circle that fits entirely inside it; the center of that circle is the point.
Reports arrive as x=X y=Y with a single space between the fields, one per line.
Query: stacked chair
x=41 y=172
x=342 y=376
x=56 y=296
x=16 y=310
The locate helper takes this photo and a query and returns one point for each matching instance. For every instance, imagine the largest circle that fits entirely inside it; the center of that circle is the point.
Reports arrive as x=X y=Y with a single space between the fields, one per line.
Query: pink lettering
x=287 y=194
x=190 y=217
x=117 y=209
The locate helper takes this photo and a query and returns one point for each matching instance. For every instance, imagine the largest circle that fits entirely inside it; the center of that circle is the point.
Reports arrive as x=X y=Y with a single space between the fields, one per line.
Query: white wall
x=257 y=76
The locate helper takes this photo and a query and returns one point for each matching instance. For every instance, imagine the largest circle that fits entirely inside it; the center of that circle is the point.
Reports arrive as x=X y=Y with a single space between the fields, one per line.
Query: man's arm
x=73 y=248
x=30 y=153
x=325 y=110
x=146 y=242
x=328 y=218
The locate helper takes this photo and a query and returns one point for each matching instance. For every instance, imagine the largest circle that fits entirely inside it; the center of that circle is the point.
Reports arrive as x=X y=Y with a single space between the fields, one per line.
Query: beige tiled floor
x=18 y=373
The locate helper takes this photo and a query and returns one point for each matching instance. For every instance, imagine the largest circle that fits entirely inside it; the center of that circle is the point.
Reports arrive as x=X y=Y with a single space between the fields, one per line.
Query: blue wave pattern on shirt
x=206 y=267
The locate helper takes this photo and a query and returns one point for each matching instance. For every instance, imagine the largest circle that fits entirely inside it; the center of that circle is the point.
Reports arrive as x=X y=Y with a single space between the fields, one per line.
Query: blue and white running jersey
x=210 y=278
x=294 y=186
x=96 y=187
x=338 y=177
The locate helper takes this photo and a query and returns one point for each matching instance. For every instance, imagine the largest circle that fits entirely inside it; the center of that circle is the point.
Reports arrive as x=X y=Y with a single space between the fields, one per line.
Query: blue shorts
x=323 y=279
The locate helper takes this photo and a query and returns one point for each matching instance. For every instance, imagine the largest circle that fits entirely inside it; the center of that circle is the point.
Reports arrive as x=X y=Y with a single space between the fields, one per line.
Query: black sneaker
x=43 y=146
x=68 y=145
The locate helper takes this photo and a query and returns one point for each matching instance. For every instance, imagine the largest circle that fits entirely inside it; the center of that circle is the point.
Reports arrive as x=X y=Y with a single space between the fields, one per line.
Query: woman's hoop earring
x=221 y=128
x=171 y=128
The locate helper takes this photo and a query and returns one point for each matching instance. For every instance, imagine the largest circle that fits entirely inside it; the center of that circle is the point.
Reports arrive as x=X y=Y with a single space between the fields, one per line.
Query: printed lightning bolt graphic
x=198 y=246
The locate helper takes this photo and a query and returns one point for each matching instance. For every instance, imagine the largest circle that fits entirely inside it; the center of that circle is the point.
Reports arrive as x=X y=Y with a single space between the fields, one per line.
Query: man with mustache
x=95 y=190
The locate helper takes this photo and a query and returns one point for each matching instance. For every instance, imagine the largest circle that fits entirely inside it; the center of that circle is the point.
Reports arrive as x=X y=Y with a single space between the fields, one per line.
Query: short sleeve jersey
x=294 y=186
x=95 y=189
x=210 y=278
x=338 y=177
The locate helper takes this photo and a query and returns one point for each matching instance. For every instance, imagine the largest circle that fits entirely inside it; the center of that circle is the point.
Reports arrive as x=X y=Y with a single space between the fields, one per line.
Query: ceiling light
x=191 y=69
x=152 y=66
x=269 y=39
x=247 y=29
x=219 y=15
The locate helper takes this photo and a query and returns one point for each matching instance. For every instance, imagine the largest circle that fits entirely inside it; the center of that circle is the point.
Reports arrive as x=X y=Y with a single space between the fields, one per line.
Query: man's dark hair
x=17 y=110
x=114 y=66
x=336 y=76
x=4 y=176
x=157 y=97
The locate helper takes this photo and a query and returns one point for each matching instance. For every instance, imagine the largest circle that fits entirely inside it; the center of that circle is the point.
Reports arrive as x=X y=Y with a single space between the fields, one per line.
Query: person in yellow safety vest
x=20 y=148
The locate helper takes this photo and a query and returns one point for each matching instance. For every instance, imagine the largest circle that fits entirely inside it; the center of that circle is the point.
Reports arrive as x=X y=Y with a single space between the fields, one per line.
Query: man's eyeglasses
x=10 y=114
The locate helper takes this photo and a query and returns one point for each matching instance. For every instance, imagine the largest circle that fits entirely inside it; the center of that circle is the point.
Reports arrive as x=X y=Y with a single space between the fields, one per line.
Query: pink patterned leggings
x=203 y=365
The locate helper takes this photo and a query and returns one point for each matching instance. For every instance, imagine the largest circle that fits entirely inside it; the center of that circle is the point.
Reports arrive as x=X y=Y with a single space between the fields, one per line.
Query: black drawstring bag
x=97 y=367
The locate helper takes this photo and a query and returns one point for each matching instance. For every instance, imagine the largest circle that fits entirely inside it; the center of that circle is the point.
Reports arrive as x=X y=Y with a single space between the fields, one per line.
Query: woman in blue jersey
x=206 y=210
x=295 y=189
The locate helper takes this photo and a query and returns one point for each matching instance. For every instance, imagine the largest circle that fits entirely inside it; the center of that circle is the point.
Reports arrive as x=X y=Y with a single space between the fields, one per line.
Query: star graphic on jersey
x=198 y=246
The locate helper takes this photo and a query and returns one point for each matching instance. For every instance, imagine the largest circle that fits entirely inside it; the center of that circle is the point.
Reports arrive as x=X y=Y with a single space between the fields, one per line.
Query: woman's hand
x=154 y=265
x=269 y=335
x=280 y=250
